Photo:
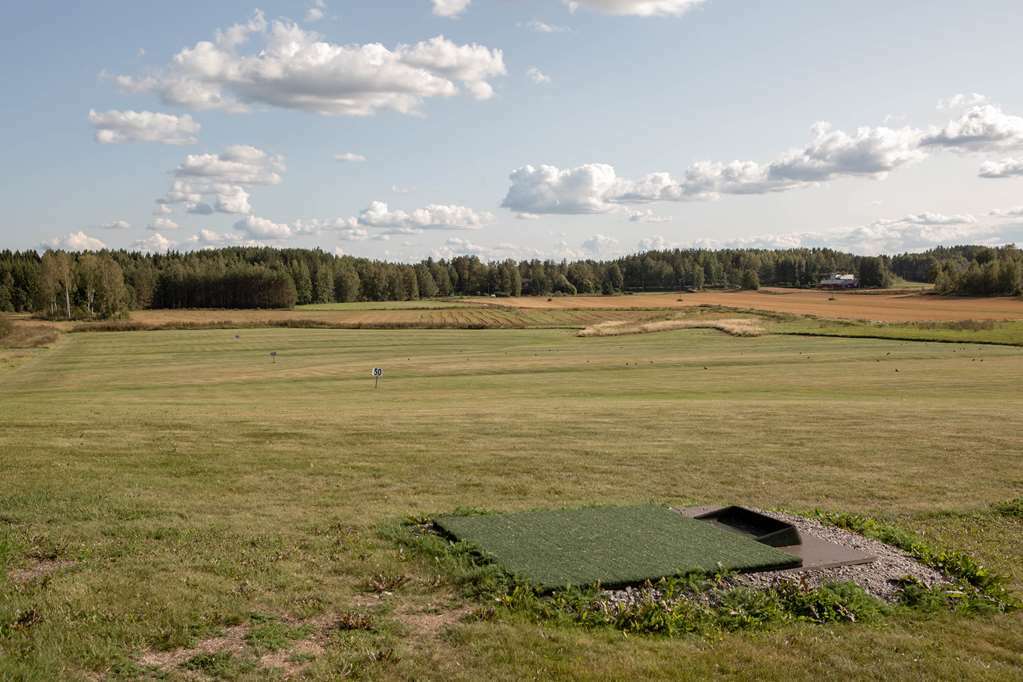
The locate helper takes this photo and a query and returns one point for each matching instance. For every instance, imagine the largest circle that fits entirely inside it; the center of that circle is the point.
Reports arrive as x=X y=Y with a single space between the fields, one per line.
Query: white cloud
x=980 y=128
x=75 y=241
x=154 y=243
x=297 y=69
x=434 y=216
x=162 y=209
x=596 y=188
x=600 y=246
x=928 y=218
x=1006 y=168
x=116 y=127
x=638 y=8
x=338 y=251
x=542 y=27
x=872 y=152
x=162 y=224
x=962 y=100
x=398 y=189
x=316 y=11
x=1016 y=212
x=349 y=157
x=450 y=8
x=538 y=76
x=117 y=225
x=237 y=165
x=647 y=216
x=655 y=243
x=261 y=228
x=548 y=189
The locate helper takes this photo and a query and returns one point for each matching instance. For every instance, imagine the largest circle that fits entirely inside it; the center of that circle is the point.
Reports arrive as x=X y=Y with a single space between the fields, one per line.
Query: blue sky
x=530 y=128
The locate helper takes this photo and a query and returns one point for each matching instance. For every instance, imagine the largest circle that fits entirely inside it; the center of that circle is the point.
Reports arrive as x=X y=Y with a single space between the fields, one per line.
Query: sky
x=511 y=128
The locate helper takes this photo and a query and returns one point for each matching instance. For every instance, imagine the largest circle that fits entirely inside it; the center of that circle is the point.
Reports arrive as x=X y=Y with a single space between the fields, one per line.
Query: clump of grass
x=1011 y=508
x=352 y=620
x=216 y=665
x=6 y=327
x=386 y=582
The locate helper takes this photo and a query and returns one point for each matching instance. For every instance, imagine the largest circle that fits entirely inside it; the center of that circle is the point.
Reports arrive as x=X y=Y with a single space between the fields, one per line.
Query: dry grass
x=734 y=327
x=21 y=334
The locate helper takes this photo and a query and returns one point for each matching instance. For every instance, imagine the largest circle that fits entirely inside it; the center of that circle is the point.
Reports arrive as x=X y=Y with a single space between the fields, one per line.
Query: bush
x=6 y=327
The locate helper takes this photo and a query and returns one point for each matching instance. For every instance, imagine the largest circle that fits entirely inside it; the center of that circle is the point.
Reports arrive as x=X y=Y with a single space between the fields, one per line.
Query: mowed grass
x=175 y=484
x=1007 y=332
x=613 y=546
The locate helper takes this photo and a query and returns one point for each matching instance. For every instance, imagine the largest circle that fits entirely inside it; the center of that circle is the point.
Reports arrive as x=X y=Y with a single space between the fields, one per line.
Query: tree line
x=109 y=283
x=967 y=270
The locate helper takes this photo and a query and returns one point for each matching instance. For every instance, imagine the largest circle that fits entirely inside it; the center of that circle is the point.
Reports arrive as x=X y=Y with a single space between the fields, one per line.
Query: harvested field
x=343 y=317
x=880 y=306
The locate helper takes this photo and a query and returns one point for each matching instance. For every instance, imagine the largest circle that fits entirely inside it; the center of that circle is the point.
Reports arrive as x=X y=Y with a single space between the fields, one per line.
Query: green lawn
x=172 y=486
x=424 y=304
x=614 y=546
x=1002 y=332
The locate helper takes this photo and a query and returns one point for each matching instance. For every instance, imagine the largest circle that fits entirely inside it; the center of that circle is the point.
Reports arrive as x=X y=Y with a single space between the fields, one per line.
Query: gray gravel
x=877 y=578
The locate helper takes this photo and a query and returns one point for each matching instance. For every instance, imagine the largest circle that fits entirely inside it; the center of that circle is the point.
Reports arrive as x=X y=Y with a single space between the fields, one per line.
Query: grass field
x=614 y=546
x=159 y=489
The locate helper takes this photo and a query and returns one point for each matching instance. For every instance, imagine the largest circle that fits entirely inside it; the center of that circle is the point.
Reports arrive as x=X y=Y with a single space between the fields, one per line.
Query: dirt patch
x=38 y=570
x=232 y=642
x=431 y=623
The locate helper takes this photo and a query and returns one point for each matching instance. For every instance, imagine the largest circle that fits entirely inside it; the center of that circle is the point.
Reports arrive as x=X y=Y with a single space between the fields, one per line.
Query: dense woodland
x=107 y=284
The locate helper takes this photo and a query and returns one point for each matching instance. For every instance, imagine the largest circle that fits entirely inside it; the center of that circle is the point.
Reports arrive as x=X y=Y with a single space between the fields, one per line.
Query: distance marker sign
x=377 y=373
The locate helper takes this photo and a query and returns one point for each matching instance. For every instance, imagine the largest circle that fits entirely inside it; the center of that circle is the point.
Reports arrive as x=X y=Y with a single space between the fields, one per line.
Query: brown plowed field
x=883 y=307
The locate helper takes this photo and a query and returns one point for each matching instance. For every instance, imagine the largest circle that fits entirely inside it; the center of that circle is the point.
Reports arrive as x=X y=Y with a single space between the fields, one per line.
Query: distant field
x=357 y=316
x=881 y=306
x=161 y=488
x=967 y=331
x=390 y=305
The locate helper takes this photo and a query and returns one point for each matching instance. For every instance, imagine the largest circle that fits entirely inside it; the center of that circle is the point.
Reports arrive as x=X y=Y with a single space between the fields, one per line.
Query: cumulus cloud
x=261 y=228
x=298 y=69
x=316 y=11
x=349 y=157
x=537 y=76
x=162 y=224
x=655 y=243
x=75 y=241
x=117 y=225
x=450 y=8
x=548 y=189
x=1006 y=168
x=647 y=216
x=434 y=216
x=962 y=100
x=154 y=243
x=981 y=128
x=1016 y=212
x=238 y=164
x=208 y=183
x=832 y=154
x=638 y=8
x=117 y=127
x=600 y=246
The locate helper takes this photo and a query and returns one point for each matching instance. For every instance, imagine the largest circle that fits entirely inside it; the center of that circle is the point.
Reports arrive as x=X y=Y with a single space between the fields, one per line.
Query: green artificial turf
x=611 y=545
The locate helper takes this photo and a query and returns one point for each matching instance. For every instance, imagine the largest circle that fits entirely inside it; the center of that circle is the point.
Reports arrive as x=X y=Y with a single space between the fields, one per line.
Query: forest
x=64 y=285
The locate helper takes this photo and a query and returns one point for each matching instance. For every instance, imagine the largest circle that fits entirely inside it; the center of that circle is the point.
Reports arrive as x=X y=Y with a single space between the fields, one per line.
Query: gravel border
x=878 y=578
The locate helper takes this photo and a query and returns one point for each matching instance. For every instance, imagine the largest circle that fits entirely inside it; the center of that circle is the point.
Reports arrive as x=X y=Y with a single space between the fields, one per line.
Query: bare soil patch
x=38 y=570
x=734 y=327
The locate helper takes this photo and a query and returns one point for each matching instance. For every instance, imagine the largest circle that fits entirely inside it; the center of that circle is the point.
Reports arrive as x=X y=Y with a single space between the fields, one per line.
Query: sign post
x=273 y=355
x=377 y=373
